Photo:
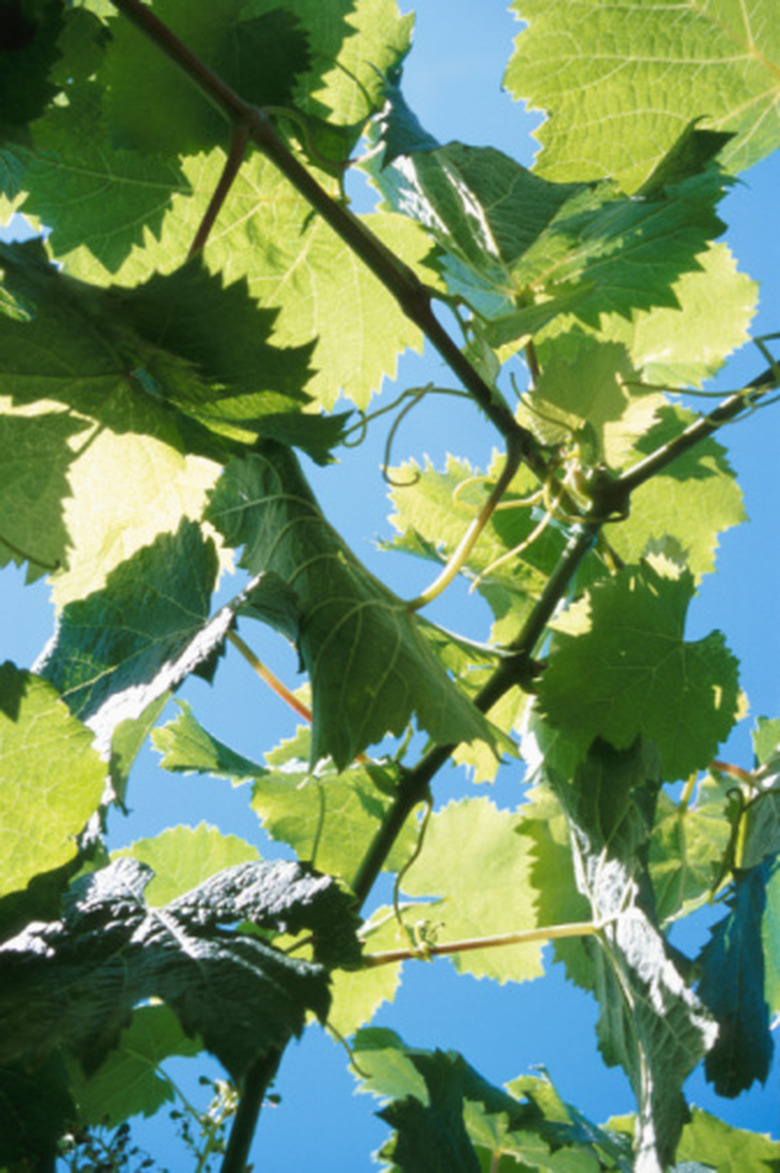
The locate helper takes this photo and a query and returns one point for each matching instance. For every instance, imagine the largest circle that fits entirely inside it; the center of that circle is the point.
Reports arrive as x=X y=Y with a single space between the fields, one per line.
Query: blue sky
x=452 y=81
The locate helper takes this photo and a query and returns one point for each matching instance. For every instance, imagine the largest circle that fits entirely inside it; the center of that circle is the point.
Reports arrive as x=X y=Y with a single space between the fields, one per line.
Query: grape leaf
x=51 y=779
x=508 y=237
x=625 y=638
x=687 y=849
x=152 y=619
x=353 y=46
x=29 y=47
x=36 y=1107
x=587 y=391
x=693 y=500
x=294 y=263
x=615 y=109
x=187 y=747
x=688 y=343
x=36 y=456
x=558 y=899
x=91 y=194
x=357 y=995
x=729 y=1150
x=732 y=986
x=259 y=58
x=130 y=1081
x=770 y=935
x=434 y=509
x=480 y=868
x=651 y=1022
x=72 y=352
x=74 y=982
x=329 y=817
x=448 y=1116
x=370 y=668
x=183 y=857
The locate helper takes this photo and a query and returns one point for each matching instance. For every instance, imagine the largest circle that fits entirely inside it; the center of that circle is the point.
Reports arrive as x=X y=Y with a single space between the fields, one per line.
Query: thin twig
x=238 y=144
x=498 y=941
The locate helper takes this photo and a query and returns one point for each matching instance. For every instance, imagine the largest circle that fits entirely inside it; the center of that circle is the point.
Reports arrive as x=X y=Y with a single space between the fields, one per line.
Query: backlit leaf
x=626 y=638
x=615 y=108
x=369 y=666
x=51 y=779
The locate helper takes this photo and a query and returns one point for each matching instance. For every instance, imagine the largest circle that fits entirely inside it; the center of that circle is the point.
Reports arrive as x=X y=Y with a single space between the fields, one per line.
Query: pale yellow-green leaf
x=51 y=779
x=183 y=857
x=480 y=868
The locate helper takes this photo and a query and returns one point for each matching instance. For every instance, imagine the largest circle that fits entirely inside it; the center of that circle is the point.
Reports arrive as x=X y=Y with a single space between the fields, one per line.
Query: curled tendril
x=402 y=872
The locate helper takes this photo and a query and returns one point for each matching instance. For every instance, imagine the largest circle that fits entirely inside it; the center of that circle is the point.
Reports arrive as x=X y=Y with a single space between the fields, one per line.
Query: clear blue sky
x=452 y=81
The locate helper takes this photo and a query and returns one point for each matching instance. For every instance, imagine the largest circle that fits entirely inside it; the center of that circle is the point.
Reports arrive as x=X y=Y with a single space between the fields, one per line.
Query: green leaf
x=153 y=624
x=369 y=666
x=732 y=986
x=352 y=47
x=78 y=376
x=29 y=48
x=188 y=748
x=686 y=344
x=651 y=1022
x=51 y=780
x=615 y=109
x=693 y=500
x=248 y=387
x=447 y=1115
x=36 y=454
x=36 y=1107
x=260 y=58
x=625 y=637
x=73 y=982
x=508 y=564
x=557 y=897
x=770 y=933
x=509 y=238
x=689 y=844
x=293 y=263
x=585 y=390
x=725 y=1148
x=94 y=196
x=328 y=816
x=358 y=994
x=130 y=1081
x=474 y=861
x=183 y=857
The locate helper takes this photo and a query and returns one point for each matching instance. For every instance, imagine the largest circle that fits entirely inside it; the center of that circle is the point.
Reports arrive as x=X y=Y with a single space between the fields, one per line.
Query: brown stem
x=699 y=430
x=238 y=145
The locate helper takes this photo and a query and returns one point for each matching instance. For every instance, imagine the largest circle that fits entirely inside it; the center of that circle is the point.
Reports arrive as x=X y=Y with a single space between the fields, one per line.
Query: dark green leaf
x=651 y=1022
x=732 y=986
x=28 y=50
x=370 y=668
x=258 y=57
x=76 y=981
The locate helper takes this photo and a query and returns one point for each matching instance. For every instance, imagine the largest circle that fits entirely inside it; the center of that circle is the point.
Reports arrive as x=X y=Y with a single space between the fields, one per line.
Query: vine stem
x=523 y=937
x=413 y=297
